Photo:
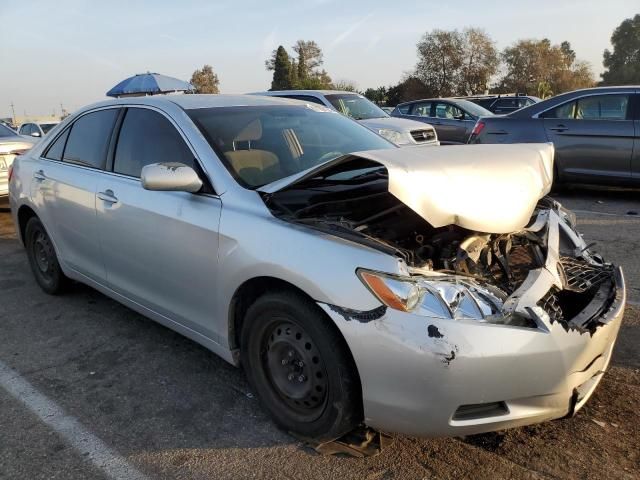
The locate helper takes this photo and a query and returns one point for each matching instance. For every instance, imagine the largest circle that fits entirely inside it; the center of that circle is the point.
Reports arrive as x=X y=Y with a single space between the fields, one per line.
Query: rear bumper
x=434 y=377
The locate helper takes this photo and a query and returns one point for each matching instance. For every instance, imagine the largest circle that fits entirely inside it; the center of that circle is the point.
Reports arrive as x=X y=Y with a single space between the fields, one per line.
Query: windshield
x=355 y=106
x=7 y=132
x=47 y=126
x=474 y=109
x=262 y=144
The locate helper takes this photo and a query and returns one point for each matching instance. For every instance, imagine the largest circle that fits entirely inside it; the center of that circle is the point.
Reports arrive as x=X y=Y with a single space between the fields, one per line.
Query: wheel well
x=248 y=293
x=24 y=215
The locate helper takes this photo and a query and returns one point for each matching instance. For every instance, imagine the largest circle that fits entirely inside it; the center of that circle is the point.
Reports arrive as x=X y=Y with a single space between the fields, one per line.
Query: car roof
x=551 y=102
x=276 y=93
x=195 y=101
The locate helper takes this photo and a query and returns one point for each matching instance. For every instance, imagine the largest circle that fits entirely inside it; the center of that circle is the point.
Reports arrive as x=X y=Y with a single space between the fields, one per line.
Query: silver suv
x=402 y=132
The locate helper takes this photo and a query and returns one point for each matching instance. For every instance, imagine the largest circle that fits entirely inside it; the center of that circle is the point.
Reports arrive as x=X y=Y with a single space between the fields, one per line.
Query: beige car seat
x=255 y=167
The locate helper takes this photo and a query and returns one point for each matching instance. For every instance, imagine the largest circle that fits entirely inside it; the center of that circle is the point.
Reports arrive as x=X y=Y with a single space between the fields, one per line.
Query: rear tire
x=43 y=259
x=300 y=366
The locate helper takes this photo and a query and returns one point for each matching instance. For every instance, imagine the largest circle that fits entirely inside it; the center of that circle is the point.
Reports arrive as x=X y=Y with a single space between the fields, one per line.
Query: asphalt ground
x=91 y=389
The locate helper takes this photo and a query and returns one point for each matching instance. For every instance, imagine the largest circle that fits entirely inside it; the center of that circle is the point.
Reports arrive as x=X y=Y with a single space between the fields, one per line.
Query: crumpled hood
x=485 y=188
x=396 y=124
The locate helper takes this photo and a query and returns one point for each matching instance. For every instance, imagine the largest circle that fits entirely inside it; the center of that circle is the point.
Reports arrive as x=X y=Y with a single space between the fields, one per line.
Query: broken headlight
x=441 y=296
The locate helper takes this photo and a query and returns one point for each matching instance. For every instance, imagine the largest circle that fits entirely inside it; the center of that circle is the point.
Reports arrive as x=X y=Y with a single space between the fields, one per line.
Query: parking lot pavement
x=166 y=407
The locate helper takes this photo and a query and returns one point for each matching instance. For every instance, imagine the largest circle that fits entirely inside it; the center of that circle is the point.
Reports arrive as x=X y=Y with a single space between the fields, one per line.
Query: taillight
x=479 y=126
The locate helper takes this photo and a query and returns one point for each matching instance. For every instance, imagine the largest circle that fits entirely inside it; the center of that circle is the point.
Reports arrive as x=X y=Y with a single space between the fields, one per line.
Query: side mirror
x=35 y=134
x=170 y=176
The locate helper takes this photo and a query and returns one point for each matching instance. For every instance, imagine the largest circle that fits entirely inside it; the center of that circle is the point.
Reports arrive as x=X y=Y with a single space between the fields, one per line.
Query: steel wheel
x=42 y=258
x=295 y=368
x=300 y=366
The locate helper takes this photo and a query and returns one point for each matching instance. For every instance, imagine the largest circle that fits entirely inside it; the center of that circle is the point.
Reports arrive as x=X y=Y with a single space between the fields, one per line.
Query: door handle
x=559 y=128
x=39 y=176
x=108 y=196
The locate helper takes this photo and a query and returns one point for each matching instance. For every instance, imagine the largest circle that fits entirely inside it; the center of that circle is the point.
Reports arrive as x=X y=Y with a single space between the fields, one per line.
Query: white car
x=399 y=131
x=37 y=129
x=11 y=145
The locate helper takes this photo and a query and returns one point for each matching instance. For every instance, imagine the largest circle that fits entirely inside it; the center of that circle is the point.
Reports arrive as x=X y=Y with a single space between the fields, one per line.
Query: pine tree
x=281 y=70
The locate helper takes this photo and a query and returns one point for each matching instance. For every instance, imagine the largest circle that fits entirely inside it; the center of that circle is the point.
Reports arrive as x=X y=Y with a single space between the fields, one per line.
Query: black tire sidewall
x=343 y=410
x=57 y=282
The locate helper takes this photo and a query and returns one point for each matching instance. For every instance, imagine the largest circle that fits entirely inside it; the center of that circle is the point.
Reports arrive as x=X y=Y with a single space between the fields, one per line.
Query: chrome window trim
x=593 y=94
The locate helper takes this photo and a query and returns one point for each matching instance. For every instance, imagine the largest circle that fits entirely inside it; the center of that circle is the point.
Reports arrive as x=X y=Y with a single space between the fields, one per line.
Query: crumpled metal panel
x=485 y=188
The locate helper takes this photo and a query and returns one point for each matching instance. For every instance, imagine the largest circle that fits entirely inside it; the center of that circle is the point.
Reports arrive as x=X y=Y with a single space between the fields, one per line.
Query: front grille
x=581 y=276
x=422 y=136
x=549 y=303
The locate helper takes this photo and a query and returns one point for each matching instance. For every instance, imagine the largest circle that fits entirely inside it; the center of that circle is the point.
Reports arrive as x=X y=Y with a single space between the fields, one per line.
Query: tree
x=528 y=63
x=623 y=63
x=312 y=55
x=456 y=63
x=479 y=61
x=303 y=72
x=281 y=70
x=410 y=88
x=377 y=95
x=293 y=73
x=205 y=80
x=345 y=85
x=440 y=57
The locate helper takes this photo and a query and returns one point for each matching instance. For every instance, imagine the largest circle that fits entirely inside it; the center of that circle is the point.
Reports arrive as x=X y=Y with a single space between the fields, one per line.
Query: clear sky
x=73 y=51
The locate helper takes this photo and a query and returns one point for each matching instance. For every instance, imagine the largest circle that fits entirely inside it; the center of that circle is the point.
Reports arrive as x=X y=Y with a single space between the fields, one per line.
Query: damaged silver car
x=424 y=291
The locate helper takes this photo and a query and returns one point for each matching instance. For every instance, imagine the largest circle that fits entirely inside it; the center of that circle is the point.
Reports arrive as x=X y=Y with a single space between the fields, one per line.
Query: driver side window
x=147 y=137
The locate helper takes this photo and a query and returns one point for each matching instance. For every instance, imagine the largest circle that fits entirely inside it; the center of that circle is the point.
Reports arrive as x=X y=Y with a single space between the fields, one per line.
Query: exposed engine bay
x=352 y=200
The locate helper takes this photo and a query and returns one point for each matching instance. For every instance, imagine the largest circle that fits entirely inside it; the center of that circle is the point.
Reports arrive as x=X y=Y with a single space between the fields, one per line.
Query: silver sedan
x=424 y=291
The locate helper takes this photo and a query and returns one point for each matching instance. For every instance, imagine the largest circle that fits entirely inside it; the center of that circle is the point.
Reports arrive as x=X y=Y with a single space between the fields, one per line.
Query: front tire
x=298 y=363
x=42 y=258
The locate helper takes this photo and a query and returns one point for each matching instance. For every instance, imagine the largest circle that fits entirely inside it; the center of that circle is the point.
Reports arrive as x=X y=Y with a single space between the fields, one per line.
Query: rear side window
x=57 y=148
x=147 y=137
x=422 y=109
x=595 y=107
x=602 y=107
x=89 y=139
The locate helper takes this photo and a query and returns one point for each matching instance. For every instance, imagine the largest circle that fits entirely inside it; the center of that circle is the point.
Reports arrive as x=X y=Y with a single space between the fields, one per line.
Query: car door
x=64 y=189
x=450 y=120
x=593 y=137
x=160 y=247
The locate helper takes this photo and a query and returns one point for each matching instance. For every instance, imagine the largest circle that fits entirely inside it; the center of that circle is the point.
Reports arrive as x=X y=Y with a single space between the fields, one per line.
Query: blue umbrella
x=149 y=83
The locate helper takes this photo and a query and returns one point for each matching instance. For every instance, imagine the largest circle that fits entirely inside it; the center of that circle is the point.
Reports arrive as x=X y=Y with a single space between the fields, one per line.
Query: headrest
x=253 y=131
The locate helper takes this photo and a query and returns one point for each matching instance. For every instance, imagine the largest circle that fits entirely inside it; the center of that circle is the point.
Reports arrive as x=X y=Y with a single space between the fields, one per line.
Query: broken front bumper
x=438 y=377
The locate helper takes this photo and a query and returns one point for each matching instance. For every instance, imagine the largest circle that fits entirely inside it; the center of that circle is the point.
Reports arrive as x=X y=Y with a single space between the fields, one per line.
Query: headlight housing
x=441 y=296
x=399 y=138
